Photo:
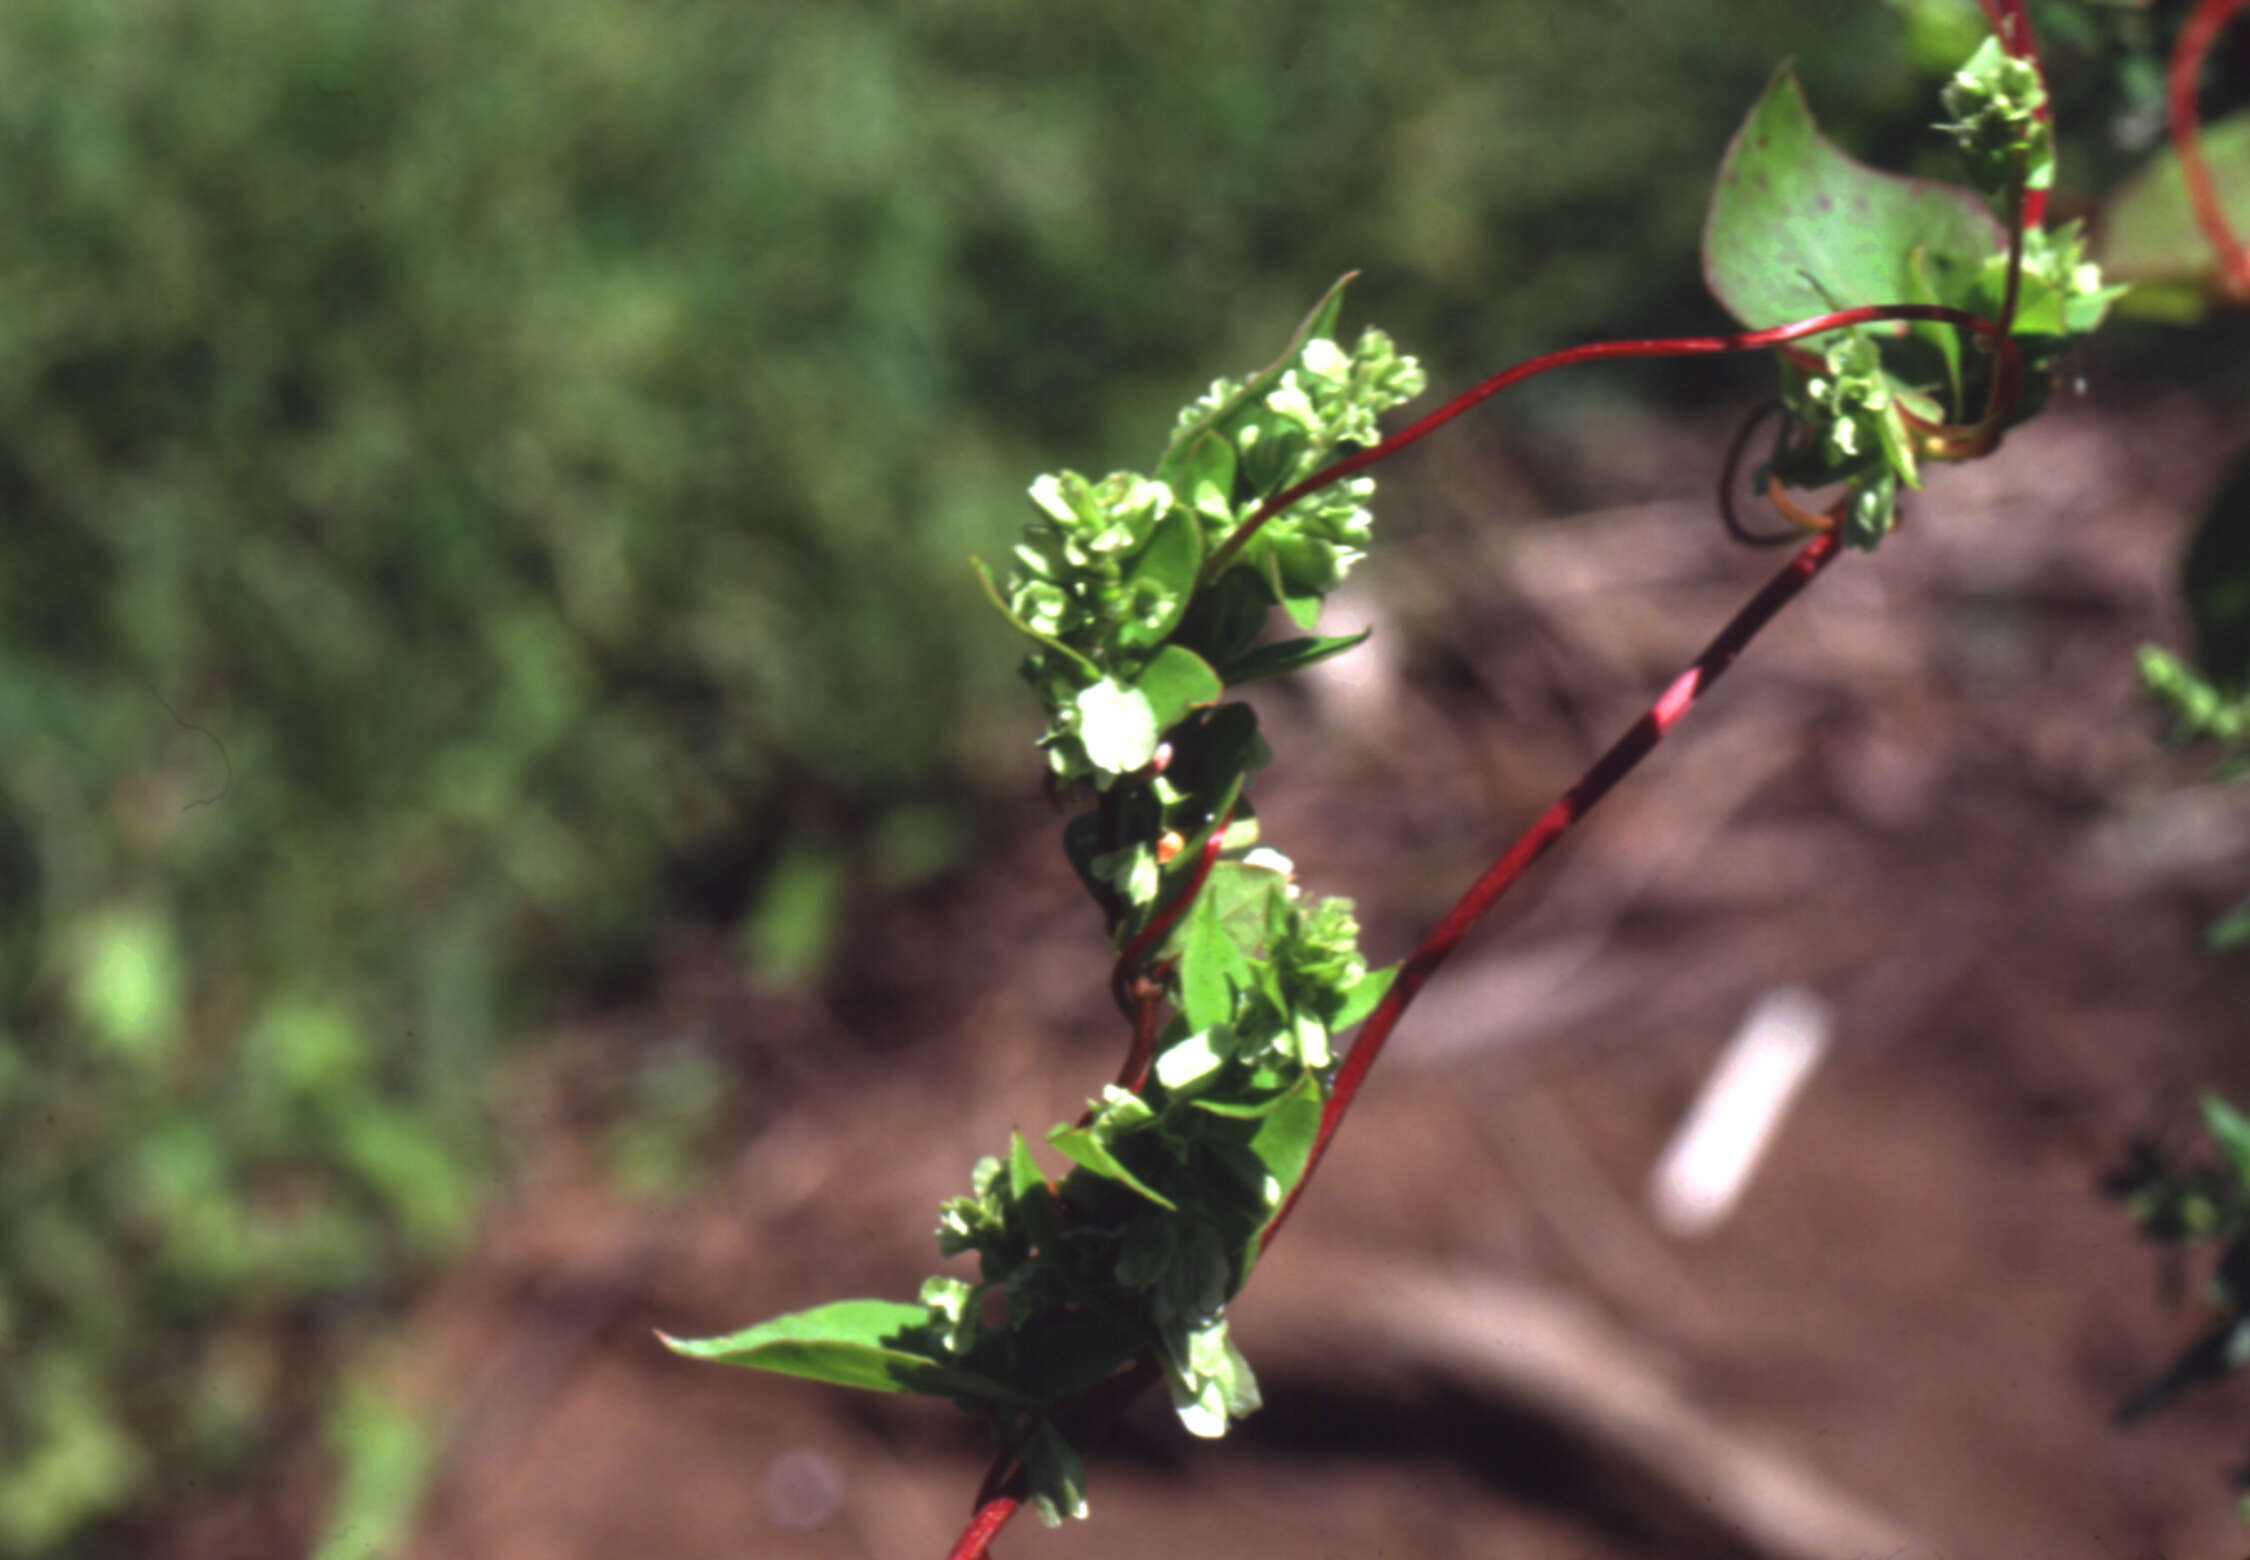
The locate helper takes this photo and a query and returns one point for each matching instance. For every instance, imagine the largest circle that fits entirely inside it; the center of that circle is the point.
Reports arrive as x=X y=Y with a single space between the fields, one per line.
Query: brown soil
x=1928 y=794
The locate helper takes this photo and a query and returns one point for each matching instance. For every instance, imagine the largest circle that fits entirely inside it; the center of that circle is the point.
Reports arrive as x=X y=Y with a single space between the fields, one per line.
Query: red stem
x=1165 y=919
x=2011 y=374
x=2195 y=41
x=1573 y=805
x=984 y=1527
x=1006 y=1484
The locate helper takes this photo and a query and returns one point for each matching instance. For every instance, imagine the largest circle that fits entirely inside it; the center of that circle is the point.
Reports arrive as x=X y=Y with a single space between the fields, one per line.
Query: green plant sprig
x=2190 y=1204
x=1175 y=1170
x=1144 y=597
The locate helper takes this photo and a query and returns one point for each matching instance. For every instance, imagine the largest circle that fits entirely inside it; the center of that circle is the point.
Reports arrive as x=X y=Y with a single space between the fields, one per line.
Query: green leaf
x=1290 y=655
x=1284 y=1139
x=1000 y=602
x=1226 y=616
x=1023 y=1170
x=1248 y=1109
x=1211 y=756
x=2231 y=1131
x=1117 y=726
x=1062 y=1355
x=1056 y=1475
x=1082 y=846
x=1207 y=481
x=1211 y=966
x=1362 y=999
x=1798 y=228
x=875 y=1345
x=1174 y=683
x=2149 y=235
x=1165 y=572
x=1320 y=322
x=1085 y=1148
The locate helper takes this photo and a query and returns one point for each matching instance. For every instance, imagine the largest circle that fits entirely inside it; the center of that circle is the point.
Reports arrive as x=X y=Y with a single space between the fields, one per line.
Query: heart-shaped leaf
x=1797 y=227
x=1174 y=683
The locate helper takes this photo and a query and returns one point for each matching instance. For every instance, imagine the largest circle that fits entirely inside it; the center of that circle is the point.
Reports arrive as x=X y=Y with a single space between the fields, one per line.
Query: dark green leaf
x=1224 y=619
x=1289 y=655
x=1084 y=1148
x=1211 y=756
x=2231 y=1131
x=1063 y=1356
x=1798 y=228
x=1056 y=1475
x=876 y=1345
x=1165 y=570
x=1176 y=682
x=1362 y=998
x=1284 y=1139
x=1082 y=842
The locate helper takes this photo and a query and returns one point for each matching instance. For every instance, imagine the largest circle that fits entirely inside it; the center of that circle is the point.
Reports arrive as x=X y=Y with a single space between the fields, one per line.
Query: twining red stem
x=1007 y=1482
x=984 y=1527
x=2011 y=378
x=2186 y=75
x=1571 y=806
x=1159 y=924
x=1138 y=996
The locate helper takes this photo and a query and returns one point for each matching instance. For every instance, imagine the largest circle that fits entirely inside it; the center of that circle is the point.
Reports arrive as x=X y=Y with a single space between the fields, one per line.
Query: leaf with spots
x=1797 y=227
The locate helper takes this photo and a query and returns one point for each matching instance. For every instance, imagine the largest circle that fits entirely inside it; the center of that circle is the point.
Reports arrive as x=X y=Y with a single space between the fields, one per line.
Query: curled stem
x=2186 y=74
x=2008 y=384
x=1137 y=997
x=1733 y=466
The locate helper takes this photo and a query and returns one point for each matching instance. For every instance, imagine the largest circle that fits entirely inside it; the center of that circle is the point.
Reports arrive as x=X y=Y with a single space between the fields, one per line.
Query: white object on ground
x=1704 y=1169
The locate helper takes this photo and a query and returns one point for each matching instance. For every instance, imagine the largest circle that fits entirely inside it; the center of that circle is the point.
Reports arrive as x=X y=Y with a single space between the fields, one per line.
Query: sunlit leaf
x=1797 y=227
x=875 y=1345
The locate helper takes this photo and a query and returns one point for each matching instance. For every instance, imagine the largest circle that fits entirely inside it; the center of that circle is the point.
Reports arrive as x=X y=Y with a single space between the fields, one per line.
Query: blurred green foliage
x=469 y=468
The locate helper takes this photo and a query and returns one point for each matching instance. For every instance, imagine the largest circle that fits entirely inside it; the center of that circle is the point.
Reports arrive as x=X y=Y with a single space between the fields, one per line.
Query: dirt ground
x=1928 y=796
